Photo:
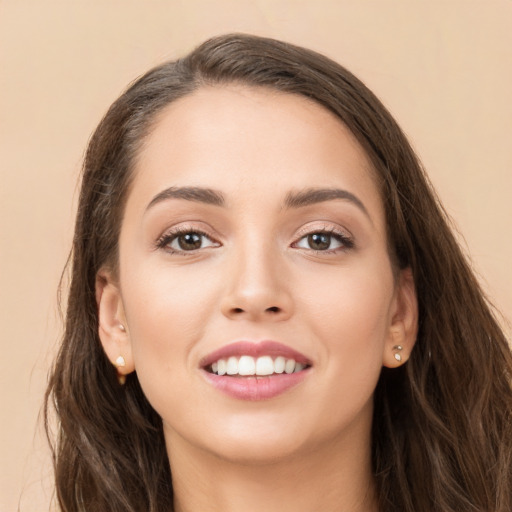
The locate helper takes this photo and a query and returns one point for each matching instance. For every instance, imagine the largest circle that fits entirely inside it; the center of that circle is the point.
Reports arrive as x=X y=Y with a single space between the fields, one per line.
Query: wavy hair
x=442 y=427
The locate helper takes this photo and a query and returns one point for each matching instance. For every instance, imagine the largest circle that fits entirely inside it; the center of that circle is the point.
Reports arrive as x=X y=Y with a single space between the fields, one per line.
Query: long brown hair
x=442 y=430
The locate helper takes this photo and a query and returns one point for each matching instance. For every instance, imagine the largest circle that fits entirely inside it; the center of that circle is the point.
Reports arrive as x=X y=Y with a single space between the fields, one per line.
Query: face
x=254 y=235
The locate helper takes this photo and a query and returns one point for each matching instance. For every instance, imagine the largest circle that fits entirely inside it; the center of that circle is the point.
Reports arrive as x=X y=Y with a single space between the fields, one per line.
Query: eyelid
x=344 y=236
x=174 y=232
x=323 y=228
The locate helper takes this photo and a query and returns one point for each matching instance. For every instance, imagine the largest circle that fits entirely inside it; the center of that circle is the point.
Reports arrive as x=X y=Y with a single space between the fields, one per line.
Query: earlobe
x=112 y=328
x=404 y=322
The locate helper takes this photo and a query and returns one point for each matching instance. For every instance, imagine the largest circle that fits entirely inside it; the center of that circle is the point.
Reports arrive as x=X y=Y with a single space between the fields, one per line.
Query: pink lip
x=255 y=388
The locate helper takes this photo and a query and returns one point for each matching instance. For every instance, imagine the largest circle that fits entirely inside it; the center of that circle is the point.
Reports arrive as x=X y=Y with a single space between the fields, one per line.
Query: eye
x=186 y=240
x=324 y=241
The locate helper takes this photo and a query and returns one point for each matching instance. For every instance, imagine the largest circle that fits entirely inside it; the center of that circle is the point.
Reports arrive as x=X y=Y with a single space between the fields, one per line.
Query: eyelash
x=346 y=241
x=166 y=239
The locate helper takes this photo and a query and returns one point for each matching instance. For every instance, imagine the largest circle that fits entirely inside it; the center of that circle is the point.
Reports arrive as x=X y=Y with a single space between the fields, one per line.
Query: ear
x=404 y=322
x=112 y=329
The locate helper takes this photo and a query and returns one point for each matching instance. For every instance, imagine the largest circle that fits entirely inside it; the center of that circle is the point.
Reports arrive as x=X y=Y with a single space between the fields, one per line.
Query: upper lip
x=248 y=348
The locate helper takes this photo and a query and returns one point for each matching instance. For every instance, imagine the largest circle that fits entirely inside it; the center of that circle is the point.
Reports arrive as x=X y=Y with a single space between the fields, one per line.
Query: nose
x=258 y=288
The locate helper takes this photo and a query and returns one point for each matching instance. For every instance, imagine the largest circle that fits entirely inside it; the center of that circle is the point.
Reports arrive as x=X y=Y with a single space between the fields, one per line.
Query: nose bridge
x=257 y=285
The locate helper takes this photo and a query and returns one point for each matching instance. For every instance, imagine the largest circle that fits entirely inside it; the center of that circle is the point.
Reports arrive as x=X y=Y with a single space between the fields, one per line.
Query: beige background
x=444 y=68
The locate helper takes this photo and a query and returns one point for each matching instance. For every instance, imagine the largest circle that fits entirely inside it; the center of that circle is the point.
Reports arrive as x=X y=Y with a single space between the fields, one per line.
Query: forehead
x=245 y=139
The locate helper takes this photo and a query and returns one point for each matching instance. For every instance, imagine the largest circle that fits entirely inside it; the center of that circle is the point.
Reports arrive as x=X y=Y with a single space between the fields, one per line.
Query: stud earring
x=120 y=363
x=122 y=328
x=398 y=356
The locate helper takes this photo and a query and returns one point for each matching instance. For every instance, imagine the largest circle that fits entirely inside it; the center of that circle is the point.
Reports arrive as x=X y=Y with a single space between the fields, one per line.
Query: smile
x=255 y=371
x=248 y=365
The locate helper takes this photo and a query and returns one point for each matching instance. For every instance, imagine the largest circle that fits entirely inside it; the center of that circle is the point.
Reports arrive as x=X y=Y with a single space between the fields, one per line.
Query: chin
x=247 y=440
x=257 y=450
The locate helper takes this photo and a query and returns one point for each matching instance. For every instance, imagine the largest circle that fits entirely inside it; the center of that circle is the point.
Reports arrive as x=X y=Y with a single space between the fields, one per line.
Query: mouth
x=255 y=371
x=245 y=366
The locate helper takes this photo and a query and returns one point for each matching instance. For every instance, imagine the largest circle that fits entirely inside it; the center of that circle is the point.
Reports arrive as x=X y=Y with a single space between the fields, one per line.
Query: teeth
x=289 y=367
x=264 y=366
x=298 y=367
x=247 y=365
x=221 y=368
x=232 y=366
x=279 y=364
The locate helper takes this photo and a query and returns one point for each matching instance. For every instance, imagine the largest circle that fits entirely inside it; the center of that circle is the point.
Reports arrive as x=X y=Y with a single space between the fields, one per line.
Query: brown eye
x=324 y=241
x=189 y=241
x=319 y=241
x=182 y=241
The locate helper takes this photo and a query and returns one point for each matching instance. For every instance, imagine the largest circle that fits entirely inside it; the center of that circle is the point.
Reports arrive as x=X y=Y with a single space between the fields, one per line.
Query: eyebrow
x=319 y=195
x=197 y=194
x=293 y=200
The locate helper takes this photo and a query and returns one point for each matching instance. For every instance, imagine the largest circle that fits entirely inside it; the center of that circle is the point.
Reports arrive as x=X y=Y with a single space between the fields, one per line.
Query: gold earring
x=398 y=356
x=120 y=363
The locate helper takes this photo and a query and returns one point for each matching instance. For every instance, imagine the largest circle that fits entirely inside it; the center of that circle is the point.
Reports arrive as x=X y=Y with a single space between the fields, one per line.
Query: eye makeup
x=187 y=239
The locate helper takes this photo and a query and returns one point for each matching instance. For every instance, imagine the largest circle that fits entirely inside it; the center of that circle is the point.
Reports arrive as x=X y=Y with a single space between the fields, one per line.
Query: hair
x=442 y=427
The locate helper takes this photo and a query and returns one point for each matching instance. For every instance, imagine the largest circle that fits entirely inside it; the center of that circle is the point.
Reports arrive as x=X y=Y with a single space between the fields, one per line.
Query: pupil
x=189 y=241
x=319 y=241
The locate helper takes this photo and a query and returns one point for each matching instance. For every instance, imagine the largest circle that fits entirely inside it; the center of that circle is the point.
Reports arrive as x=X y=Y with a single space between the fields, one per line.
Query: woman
x=268 y=310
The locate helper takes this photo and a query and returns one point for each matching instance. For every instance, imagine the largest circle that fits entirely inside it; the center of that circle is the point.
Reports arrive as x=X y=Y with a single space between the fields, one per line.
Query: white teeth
x=232 y=366
x=221 y=366
x=289 y=367
x=279 y=364
x=247 y=365
x=264 y=366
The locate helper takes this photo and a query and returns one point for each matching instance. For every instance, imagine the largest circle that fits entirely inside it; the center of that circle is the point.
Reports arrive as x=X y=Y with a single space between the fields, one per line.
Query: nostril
x=253 y=310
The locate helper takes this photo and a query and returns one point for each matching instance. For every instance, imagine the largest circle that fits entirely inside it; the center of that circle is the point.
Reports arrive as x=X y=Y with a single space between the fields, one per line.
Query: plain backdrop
x=444 y=68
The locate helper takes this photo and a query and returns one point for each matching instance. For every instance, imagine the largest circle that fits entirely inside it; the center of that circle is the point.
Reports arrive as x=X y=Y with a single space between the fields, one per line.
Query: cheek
x=350 y=316
x=355 y=300
x=167 y=311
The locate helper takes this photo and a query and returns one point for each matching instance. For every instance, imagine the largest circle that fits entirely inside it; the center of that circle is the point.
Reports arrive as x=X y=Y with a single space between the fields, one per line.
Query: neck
x=331 y=478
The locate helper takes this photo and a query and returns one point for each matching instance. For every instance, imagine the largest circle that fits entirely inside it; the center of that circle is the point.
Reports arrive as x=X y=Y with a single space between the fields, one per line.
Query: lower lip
x=255 y=388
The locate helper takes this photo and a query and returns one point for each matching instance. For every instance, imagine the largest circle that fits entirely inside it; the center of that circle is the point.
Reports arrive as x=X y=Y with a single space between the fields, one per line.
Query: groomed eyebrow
x=310 y=196
x=292 y=200
x=197 y=194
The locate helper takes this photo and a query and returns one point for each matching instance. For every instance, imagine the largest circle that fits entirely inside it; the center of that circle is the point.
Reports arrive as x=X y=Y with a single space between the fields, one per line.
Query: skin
x=256 y=277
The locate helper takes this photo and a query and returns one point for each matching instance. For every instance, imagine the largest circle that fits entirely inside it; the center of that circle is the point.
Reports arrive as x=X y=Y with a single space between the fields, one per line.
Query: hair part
x=442 y=431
